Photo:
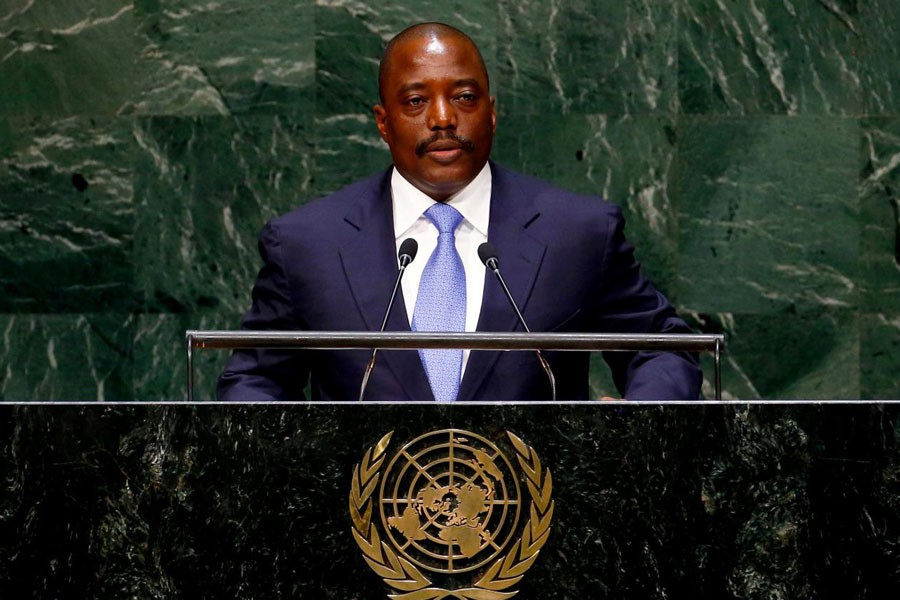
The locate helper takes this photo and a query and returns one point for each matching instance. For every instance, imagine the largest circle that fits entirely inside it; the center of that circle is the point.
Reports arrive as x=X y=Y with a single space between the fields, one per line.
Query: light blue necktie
x=441 y=303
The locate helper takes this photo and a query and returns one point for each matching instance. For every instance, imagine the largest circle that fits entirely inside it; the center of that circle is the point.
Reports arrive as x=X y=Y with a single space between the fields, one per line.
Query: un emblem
x=448 y=509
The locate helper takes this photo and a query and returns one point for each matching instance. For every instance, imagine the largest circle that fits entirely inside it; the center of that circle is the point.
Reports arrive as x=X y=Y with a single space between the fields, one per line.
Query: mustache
x=465 y=143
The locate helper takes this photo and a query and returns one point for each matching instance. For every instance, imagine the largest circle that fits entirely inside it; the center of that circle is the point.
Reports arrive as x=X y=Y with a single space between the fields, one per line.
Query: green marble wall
x=755 y=147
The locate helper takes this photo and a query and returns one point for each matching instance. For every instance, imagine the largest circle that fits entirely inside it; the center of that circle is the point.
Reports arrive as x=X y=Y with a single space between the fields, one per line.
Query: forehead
x=434 y=57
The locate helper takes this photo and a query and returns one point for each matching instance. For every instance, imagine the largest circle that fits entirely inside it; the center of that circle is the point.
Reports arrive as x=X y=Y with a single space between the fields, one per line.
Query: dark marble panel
x=251 y=501
x=769 y=214
x=878 y=355
x=228 y=57
x=161 y=360
x=66 y=357
x=771 y=56
x=789 y=355
x=66 y=215
x=627 y=160
x=880 y=211
x=878 y=28
x=205 y=187
x=348 y=148
x=66 y=58
x=587 y=56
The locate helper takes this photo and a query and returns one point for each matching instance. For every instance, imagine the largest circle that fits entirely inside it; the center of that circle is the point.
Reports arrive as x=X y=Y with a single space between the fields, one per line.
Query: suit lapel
x=370 y=266
x=521 y=255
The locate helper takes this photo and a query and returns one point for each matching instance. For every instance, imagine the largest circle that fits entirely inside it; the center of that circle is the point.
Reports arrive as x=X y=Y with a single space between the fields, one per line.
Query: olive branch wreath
x=400 y=574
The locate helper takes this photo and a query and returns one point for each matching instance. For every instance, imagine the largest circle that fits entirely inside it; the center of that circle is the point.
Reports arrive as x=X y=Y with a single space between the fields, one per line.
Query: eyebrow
x=417 y=85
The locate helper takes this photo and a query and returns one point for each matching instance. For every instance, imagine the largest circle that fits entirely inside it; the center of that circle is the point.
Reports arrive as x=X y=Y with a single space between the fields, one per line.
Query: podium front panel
x=257 y=500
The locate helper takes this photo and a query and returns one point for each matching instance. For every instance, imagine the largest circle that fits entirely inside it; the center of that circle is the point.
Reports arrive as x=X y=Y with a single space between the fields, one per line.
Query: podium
x=421 y=500
x=669 y=500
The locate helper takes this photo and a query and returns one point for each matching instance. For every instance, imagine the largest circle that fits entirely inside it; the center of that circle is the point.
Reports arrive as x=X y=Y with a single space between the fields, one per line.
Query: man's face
x=437 y=117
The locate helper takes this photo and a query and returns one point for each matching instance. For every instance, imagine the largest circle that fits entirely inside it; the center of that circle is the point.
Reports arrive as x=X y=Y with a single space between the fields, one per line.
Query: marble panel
x=251 y=501
x=227 y=57
x=628 y=160
x=205 y=187
x=348 y=148
x=587 y=56
x=793 y=355
x=770 y=57
x=879 y=355
x=878 y=28
x=160 y=356
x=66 y=215
x=59 y=59
x=66 y=357
x=880 y=211
x=769 y=215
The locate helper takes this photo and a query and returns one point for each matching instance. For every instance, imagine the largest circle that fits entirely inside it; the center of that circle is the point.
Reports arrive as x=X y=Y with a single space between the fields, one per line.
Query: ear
x=381 y=122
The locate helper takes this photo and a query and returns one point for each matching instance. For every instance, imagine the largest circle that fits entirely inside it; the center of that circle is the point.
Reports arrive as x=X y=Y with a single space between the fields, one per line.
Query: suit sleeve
x=631 y=304
x=257 y=375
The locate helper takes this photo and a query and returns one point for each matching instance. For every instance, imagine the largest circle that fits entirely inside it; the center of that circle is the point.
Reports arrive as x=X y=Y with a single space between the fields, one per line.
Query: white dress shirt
x=474 y=203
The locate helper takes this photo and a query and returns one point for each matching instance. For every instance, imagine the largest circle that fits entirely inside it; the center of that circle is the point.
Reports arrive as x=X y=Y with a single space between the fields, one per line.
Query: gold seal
x=450 y=503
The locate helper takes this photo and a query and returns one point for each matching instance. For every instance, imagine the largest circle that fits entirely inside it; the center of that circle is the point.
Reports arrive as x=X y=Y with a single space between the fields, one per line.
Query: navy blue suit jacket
x=331 y=265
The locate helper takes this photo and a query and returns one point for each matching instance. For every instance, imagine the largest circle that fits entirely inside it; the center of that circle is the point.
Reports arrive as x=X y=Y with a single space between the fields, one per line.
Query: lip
x=444 y=151
x=444 y=155
x=441 y=145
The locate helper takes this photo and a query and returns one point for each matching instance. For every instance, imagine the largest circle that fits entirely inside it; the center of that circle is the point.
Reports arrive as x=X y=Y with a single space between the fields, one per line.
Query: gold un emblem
x=447 y=511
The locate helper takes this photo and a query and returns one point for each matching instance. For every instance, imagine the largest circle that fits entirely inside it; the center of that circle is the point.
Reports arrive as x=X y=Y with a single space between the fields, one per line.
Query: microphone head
x=488 y=255
x=407 y=252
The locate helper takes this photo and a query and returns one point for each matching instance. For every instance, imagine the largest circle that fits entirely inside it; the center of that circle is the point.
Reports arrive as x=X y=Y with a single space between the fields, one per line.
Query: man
x=331 y=264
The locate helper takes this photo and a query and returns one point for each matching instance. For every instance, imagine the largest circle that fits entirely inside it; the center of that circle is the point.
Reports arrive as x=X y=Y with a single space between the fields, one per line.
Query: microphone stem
x=511 y=301
x=544 y=363
x=371 y=364
x=393 y=295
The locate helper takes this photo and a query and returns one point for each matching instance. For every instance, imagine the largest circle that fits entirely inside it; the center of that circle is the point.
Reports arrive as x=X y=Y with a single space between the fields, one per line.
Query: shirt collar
x=473 y=201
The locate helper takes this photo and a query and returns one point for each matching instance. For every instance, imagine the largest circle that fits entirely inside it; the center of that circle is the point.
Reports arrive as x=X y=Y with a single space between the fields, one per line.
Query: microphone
x=405 y=255
x=488 y=255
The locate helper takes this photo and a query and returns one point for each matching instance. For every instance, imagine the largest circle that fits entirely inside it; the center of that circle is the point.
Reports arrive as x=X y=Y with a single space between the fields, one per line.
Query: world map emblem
x=449 y=515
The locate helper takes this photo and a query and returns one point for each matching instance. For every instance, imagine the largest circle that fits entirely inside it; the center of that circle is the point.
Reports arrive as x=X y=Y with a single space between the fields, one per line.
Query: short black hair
x=418 y=31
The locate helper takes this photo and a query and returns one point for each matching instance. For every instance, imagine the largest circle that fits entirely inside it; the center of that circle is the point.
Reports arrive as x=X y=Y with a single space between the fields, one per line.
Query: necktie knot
x=445 y=217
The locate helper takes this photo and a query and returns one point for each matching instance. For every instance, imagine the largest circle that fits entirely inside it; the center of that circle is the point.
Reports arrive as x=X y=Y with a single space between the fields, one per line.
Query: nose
x=441 y=115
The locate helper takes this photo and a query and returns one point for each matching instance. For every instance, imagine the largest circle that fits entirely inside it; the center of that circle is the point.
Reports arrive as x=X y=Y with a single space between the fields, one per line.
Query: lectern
x=476 y=341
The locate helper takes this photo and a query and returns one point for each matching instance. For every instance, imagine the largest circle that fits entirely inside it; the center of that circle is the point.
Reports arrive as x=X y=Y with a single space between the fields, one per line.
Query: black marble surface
x=250 y=501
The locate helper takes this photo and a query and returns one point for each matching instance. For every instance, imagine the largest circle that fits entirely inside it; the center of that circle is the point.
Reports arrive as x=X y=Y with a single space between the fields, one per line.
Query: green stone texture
x=66 y=58
x=67 y=215
x=754 y=147
x=73 y=357
x=206 y=186
x=225 y=58
x=587 y=56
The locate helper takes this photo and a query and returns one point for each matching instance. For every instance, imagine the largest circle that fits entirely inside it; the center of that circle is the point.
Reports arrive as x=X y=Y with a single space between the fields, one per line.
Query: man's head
x=436 y=112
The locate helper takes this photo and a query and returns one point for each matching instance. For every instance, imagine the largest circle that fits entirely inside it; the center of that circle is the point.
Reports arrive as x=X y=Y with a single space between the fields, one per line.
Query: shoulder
x=548 y=200
x=334 y=206
x=330 y=221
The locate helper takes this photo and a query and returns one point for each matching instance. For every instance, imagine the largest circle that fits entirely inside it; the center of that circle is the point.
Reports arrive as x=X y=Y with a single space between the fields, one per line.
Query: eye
x=416 y=101
x=468 y=97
